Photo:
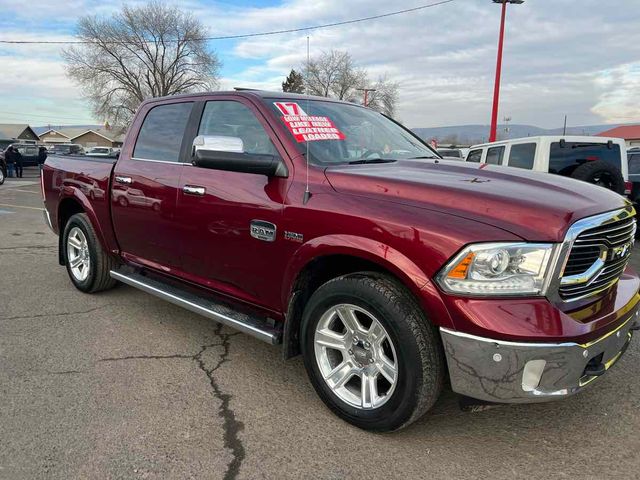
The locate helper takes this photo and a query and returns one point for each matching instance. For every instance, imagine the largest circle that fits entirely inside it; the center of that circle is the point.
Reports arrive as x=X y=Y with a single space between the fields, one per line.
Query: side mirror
x=227 y=153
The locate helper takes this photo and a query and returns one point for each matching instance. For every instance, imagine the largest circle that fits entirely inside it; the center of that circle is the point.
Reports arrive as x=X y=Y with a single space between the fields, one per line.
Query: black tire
x=101 y=264
x=600 y=173
x=2 y=175
x=421 y=365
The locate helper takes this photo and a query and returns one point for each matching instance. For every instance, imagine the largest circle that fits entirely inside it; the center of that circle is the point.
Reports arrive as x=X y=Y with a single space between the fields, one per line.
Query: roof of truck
x=250 y=93
x=552 y=138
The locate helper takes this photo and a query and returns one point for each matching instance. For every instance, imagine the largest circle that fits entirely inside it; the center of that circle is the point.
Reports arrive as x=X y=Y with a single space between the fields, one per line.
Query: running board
x=219 y=312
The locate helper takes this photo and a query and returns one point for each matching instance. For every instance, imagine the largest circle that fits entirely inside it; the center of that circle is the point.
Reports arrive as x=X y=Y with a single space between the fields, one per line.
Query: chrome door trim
x=158 y=161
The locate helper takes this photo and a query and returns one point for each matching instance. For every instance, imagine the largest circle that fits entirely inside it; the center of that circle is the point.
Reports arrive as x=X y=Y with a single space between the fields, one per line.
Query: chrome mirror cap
x=218 y=143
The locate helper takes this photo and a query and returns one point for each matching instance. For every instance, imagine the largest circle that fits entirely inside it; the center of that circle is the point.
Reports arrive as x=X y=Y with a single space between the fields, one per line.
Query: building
x=630 y=133
x=12 y=133
x=87 y=137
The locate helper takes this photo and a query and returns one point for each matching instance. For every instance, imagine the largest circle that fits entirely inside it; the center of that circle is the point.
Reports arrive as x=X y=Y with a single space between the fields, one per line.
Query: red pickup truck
x=332 y=230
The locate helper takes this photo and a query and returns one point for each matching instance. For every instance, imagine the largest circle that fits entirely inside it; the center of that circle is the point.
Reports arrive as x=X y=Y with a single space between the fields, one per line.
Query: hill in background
x=474 y=134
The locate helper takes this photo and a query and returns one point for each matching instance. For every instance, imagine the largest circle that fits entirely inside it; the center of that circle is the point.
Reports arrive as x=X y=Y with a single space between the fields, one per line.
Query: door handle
x=124 y=180
x=193 y=190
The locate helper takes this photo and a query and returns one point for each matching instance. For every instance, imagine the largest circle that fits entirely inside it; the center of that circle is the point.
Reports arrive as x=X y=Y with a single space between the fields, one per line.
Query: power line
x=248 y=35
x=34 y=115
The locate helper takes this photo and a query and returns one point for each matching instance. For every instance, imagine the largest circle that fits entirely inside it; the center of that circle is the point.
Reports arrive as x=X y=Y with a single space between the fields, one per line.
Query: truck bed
x=84 y=178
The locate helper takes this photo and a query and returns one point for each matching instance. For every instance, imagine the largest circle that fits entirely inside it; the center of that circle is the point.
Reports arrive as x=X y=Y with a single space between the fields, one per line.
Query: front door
x=231 y=239
x=145 y=187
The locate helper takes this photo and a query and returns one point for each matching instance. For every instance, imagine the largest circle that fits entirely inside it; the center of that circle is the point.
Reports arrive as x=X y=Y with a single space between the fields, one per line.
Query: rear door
x=219 y=247
x=145 y=187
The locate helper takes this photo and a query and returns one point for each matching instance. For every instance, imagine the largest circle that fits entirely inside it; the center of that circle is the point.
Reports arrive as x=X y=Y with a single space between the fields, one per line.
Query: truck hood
x=535 y=206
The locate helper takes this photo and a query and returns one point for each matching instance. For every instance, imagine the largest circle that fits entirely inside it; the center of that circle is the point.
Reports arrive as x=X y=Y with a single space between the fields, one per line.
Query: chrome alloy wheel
x=356 y=356
x=78 y=254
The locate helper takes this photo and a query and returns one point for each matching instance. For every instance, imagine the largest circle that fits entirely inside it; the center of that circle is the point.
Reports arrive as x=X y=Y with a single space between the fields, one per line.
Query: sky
x=575 y=57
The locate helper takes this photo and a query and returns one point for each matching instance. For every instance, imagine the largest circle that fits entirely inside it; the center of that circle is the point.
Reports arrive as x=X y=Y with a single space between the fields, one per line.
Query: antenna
x=307 y=193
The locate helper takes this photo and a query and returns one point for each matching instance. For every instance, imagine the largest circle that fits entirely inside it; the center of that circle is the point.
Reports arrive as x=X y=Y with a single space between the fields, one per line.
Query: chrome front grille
x=598 y=256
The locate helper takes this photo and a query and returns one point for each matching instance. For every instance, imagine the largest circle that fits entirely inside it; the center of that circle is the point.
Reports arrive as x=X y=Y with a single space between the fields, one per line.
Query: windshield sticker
x=307 y=128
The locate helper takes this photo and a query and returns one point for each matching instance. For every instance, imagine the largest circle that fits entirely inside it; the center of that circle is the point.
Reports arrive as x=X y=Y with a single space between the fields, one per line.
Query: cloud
x=579 y=59
x=619 y=101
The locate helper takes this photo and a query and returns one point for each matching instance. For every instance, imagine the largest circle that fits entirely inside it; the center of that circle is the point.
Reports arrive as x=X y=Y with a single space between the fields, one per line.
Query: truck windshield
x=340 y=133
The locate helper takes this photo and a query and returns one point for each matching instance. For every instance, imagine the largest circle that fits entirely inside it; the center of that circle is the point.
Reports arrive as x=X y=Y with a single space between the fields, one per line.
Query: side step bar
x=219 y=312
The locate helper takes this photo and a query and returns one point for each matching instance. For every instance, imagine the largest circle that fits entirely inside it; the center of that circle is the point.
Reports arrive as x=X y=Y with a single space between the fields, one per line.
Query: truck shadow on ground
x=258 y=370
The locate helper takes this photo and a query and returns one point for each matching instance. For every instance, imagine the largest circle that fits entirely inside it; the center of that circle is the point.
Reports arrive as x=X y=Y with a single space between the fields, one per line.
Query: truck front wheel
x=370 y=353
x=87 y=264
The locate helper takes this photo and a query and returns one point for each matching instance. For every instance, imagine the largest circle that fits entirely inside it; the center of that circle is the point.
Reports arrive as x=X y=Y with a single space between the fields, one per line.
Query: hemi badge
x=293 y=236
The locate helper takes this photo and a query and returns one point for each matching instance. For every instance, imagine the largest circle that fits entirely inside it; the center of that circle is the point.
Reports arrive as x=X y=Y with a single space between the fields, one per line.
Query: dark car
x=29 y=154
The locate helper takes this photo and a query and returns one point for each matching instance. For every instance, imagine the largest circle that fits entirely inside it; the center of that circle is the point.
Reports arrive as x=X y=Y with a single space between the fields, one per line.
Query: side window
x=474 y=156
x=634 y=164
x=522 y=155
x=160 y=136
x=494 y=155
x=233 y=119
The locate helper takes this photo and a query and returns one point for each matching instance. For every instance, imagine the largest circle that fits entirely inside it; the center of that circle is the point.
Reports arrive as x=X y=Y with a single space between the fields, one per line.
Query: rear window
x=522 y=155
x=474 y=156
x=161 y=134
x=494 y=155
x=564 y=159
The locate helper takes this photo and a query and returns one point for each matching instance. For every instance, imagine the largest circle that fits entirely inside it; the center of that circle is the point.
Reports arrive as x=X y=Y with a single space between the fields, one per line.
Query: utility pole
x=564 y=130
x=366 y=94
x=506 y=126
x=496 y=87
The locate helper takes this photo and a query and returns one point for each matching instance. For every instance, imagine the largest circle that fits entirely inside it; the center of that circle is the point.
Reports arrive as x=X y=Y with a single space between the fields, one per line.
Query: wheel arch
x=76 y=202
x=324 y=258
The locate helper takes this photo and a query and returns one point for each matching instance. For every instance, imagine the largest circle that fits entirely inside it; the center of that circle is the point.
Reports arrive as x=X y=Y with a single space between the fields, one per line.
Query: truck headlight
x=498 y=269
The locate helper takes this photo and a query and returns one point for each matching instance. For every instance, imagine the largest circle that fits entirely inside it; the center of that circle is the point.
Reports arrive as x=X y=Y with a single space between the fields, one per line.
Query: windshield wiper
x=426 y=156
x=371 y=160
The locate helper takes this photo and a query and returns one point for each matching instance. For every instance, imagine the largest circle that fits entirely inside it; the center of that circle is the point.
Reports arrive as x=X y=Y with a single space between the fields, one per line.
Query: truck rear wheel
x=370 y=353
x=87 y=264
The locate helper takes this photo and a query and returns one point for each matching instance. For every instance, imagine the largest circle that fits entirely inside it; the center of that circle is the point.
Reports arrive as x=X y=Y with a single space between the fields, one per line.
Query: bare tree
x=335 y=74
x=140 y=52
x=384 y=96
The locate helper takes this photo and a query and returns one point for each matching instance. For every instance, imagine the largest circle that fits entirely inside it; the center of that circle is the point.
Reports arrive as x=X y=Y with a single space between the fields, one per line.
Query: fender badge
x=265 y=231
x=293 y=236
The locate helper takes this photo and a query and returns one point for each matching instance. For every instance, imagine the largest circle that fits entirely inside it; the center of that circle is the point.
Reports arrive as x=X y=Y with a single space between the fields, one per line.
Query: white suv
x=598 y=160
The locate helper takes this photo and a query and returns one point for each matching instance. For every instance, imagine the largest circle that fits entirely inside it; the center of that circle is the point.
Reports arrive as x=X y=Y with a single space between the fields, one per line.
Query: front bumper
x=519 y=372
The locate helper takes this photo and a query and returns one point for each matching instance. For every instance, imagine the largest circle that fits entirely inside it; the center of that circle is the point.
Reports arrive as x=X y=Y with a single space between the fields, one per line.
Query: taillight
x=628 y=186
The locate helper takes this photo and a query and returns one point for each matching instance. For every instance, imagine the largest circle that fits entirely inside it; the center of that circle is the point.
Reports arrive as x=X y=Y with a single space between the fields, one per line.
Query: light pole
x=366 y=94
x=496 y=88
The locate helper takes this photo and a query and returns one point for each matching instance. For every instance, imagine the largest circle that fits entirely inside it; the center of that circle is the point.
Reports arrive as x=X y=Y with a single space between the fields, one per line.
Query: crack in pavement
x=231 y=425
x=29 y=247
x=91 y=310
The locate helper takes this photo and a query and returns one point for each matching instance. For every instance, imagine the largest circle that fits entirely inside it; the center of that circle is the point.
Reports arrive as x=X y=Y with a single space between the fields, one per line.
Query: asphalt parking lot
x=124 y=385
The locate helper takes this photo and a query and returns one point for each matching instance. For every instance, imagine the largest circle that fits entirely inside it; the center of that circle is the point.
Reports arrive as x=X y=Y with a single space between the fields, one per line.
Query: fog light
x=531 y=374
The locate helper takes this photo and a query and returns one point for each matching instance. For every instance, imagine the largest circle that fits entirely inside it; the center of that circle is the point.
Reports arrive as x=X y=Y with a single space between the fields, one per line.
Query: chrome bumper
x=513 y=372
